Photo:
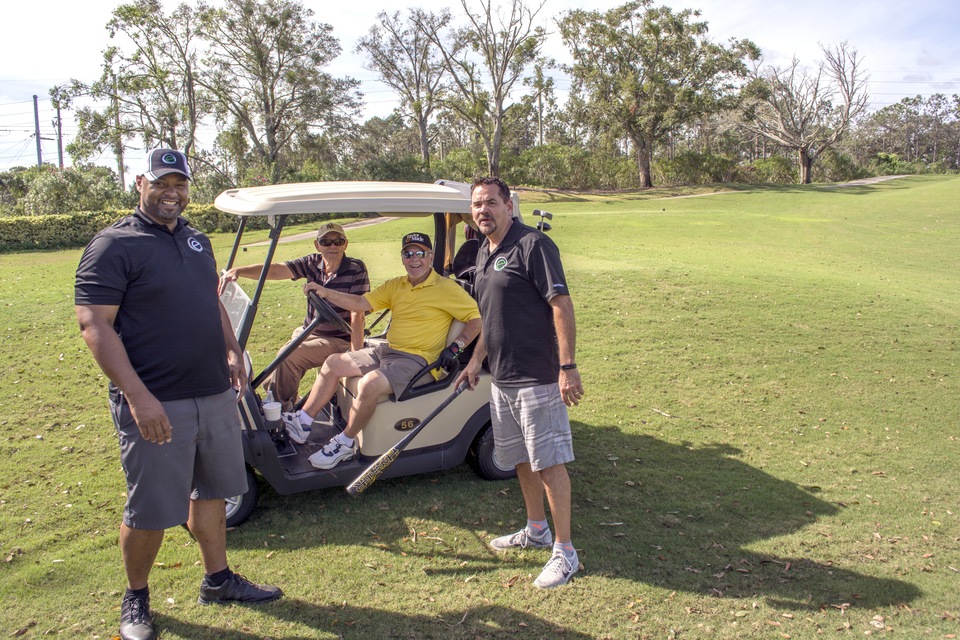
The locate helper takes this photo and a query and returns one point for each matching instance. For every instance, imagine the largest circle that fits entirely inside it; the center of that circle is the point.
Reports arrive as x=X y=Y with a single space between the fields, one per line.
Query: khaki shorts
x=399 y=367
x=203 y=461
x=530 y=424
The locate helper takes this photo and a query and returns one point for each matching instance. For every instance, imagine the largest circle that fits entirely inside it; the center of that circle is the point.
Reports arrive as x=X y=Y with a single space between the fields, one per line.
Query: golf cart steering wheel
x=325 y=311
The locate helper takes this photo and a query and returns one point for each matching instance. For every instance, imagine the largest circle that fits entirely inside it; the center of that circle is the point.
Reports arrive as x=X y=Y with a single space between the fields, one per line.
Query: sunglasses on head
x=332 y=242
x=414 y=254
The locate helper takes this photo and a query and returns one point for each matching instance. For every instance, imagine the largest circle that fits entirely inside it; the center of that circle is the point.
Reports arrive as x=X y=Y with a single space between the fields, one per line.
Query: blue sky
x=909 y=48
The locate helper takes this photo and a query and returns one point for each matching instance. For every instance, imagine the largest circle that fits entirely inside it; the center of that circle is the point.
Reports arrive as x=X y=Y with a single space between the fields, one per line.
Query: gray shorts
x=203 y=461
x=398 y=366
x=530 y=424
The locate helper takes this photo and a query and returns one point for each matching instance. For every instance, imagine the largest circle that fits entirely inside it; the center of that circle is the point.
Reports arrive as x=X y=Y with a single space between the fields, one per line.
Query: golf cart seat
x=465 y=264
x=416 y=399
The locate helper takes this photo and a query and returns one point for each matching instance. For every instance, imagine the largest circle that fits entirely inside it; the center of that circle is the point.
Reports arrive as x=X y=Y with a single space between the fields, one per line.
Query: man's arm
x=277 y=271
x=235 y=364
x=96 y=327
x=470 y=331
x=343 y=300
x=358 y=321
x=571 y=386
x=471 y=372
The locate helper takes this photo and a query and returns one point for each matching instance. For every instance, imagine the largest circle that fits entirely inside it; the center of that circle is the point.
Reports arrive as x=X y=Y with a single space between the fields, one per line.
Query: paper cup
x=271 y=411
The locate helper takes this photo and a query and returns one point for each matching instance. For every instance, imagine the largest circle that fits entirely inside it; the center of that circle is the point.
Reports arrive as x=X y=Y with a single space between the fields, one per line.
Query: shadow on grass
x=487 y=621
x=688 y=515
x=672 y=515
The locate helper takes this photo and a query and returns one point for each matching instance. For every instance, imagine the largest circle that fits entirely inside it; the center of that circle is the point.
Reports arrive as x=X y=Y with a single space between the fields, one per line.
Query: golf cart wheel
x=240 y=507
x=483 y=458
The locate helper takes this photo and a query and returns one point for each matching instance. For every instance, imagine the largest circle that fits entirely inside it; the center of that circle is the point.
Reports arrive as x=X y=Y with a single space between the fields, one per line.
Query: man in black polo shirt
x=146 y=300
x=333 y=269
x=529 y=338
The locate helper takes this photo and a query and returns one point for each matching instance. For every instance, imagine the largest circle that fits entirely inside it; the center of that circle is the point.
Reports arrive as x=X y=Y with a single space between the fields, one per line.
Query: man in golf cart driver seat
x=423 y=306
x=331 y=266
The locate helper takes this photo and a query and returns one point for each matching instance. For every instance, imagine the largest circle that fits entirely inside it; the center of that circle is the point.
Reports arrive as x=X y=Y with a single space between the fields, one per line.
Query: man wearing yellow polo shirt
x=423 y=305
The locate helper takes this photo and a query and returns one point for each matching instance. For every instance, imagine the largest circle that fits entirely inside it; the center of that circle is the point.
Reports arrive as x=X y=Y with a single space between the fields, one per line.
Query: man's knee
x=554 y=474
x=338 y=365
x=371 y=386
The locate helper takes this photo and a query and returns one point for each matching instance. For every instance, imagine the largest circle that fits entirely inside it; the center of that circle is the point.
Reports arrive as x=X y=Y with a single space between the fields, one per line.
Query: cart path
x=312 y=234
x=852 y=183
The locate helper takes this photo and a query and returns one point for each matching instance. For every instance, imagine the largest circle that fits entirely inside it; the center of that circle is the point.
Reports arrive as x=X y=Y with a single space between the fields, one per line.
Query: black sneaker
x=236 y=588
x=135 y=620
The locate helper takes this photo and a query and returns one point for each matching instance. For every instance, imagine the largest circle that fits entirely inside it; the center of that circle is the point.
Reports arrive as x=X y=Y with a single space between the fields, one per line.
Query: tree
x=649 y=71
x=148 y=83
x=543 y=102
x=808 y=111
x=263 y=69
x=48 y=190
x=407 y=60
x=484 y=61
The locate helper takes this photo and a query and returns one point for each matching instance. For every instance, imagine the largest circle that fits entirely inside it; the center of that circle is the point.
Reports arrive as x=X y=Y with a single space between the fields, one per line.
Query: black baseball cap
x=416 y=237
x=160 y=162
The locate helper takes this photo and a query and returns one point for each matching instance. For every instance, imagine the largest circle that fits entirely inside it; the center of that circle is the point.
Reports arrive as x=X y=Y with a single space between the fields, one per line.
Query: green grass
x=772 y=415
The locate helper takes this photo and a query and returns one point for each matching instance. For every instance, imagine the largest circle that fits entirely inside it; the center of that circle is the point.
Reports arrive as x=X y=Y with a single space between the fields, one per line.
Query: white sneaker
x=296 y=431
x=557 y=571
x=332 y=454
x=521 y=540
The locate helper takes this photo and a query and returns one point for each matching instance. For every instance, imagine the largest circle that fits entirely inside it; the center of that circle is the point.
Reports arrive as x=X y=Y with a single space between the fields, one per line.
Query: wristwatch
x=460 y=344
x=567 y=367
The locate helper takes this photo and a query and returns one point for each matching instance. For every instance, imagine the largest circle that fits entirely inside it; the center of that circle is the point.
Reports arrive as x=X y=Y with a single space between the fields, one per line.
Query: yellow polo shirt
x=421 y=315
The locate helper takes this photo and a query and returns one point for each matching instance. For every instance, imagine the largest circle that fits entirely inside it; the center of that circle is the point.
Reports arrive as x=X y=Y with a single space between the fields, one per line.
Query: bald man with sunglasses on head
x=331 y=268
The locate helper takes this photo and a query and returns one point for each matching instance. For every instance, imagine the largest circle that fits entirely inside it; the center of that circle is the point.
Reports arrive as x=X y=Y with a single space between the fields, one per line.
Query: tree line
x=653 y=100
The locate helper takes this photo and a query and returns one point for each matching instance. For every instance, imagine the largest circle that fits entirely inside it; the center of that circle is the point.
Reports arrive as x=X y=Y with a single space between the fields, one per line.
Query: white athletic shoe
x=521 y=540
x=296 y=431
x=557 y=571
x=332 y=454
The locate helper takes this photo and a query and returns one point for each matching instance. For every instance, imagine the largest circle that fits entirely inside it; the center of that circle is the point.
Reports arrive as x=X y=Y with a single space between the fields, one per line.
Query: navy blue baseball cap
x=160 y=162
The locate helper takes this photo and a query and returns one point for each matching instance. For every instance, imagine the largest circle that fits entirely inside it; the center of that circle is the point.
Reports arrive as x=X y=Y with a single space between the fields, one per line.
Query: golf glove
x=448 y=357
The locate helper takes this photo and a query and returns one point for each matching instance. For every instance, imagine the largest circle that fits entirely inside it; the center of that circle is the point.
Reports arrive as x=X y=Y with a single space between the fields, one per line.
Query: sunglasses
x=414 y=254
x=327 y=242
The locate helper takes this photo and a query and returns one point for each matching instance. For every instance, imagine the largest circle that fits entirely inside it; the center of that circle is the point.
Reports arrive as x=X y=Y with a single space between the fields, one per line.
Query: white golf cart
x=460 y=432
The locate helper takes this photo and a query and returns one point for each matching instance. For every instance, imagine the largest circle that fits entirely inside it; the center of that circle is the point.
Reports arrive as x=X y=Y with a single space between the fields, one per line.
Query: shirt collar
x=513 y=235
x=143 y=218
x=429 y=282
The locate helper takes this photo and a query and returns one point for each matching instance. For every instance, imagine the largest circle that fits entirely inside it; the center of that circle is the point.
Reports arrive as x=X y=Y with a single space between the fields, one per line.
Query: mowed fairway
x=767 y=449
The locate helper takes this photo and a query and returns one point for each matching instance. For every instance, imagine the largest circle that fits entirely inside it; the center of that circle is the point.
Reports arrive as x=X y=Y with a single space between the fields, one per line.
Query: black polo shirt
x=165 y=284
x=350 y=277
x=514 y=285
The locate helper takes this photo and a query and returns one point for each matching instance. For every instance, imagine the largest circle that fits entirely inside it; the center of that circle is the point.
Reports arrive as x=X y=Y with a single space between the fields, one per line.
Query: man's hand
x=470 y=374
x=151 y=419
x=228 y=276
x=238 y=372
x=316 y=288
x=571 y=386
x=448 y=357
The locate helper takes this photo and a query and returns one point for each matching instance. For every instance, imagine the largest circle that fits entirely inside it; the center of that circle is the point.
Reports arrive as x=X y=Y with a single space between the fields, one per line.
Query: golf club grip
x=371 y=473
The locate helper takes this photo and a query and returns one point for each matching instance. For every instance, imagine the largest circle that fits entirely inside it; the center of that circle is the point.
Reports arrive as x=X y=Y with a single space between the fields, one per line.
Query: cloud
x=927 y=59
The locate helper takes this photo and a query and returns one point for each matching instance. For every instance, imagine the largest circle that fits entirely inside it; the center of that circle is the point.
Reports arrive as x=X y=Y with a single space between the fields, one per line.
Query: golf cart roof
x=394 y=198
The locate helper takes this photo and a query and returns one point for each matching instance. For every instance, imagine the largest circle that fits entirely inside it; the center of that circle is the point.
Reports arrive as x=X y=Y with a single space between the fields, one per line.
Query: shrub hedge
x=70 y=230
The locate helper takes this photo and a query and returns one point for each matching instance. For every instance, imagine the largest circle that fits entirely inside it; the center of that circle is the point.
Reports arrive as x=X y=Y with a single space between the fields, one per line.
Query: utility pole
x=36 y=125
x=59 y=136
x=119 y=150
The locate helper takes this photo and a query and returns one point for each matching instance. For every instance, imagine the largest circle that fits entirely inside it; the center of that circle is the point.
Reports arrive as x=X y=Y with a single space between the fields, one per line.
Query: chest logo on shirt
x=194 y=244
x=500 y=264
